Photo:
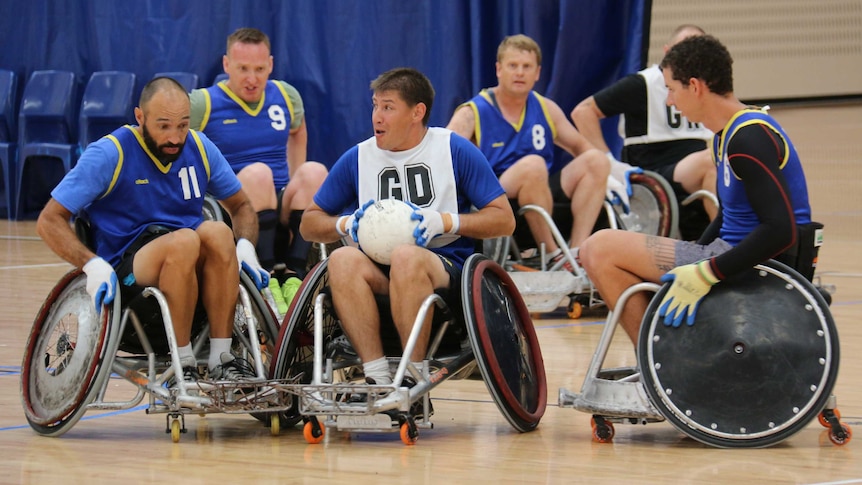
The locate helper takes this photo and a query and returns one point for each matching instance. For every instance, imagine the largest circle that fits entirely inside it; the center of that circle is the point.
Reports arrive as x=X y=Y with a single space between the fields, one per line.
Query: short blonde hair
x=522 y=43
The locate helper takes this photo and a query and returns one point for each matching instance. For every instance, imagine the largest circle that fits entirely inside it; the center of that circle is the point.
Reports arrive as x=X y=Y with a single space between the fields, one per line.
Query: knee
x=217 y=242
x=257 y=176
x=407 y=262
x=597 y=163
x=593 y=251
x=311 y=175
x=345 y=264
x=185 y=248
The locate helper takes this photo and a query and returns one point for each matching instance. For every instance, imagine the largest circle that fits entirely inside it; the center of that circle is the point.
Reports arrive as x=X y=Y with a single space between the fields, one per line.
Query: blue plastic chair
x=46 y=135
x=189 y=80
x=8 y=140
x=106 y=106
x=221 y=77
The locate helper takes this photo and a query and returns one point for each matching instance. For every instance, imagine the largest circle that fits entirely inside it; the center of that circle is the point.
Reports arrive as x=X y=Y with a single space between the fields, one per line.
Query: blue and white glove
x=101 y=282
x=691 y=283
x=349 y=225
x=247 y=257
x=619 y=188
x=432 y=224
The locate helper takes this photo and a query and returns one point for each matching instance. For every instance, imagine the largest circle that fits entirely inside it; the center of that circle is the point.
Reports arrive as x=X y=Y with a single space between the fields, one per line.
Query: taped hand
x=247 y=257
x=432 y=224
x=349 y=225
x=101 y=282
x=691 y=283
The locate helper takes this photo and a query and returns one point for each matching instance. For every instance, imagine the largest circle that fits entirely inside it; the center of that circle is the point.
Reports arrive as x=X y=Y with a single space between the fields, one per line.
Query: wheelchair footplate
x=229 y=397
x=615 y=394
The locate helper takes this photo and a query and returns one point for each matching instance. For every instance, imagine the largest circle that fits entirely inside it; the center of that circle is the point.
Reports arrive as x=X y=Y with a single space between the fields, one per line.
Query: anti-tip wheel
x=313 y=433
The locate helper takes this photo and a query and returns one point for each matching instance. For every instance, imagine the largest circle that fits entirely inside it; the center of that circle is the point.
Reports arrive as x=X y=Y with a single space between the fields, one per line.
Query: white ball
x=385 y=225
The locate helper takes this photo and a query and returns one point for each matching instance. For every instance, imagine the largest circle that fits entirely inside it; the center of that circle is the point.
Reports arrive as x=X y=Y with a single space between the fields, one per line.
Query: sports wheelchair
x=653 y=210
x=72 y=353
x=758 y=365
x=493 y=332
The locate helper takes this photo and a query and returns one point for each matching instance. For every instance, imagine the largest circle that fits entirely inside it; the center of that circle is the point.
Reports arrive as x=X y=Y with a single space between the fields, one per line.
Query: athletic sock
x=217 y=346
x=378 y=370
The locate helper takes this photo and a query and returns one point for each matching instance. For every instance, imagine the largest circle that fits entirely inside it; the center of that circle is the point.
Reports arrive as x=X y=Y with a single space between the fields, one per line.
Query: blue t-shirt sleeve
x=475 y=178
x=339 y=193
x=90 y=178
x=223 y=181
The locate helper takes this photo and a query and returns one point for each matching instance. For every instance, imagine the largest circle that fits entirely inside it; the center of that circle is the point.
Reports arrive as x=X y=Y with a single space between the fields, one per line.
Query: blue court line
x=87 y=418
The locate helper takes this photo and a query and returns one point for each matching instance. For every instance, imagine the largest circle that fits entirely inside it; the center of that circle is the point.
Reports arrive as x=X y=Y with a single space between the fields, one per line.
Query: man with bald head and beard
x=141 y=189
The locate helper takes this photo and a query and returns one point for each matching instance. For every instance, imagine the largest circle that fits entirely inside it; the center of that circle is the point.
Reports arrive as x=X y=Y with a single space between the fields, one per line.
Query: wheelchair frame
x=645 y=394
x=322 y=402
x=53 y=403
x=546 y=288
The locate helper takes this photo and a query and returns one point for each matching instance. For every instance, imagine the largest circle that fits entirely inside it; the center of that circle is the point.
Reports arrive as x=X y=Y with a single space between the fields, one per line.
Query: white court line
x=22 y=238
x=840 y=482
x=29 y=266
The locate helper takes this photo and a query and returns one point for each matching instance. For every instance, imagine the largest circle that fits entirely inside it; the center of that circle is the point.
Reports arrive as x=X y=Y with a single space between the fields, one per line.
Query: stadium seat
x=8 y=143
x=221 y=77
x=46 y=136
x=189 y=80
x=106 y=106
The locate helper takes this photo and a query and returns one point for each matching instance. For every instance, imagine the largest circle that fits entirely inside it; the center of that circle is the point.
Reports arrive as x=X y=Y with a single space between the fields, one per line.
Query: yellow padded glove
x=691 y=283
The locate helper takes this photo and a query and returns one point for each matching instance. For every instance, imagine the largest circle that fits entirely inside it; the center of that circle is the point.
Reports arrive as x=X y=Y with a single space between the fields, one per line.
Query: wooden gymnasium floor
x=471 y=440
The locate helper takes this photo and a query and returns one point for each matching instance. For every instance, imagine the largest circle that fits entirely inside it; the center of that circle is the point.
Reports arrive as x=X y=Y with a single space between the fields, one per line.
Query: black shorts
x=125 y=269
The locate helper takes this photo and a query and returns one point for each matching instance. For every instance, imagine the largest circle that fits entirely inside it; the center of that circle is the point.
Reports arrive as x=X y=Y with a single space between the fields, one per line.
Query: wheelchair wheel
x=504 y=342
x=653 y=207
x=294 y=355
x=267 y=325
x=63 y=357
x=212 y=209
x=749 y=377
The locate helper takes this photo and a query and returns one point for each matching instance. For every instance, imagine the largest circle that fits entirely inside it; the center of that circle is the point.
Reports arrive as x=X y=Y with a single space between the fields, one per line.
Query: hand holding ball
x=386 y=224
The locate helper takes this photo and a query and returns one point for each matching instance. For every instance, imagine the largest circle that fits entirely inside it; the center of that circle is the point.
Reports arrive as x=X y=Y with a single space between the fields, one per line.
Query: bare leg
x=300 y=191
x=584 y=182
x=218 y=271
x=615 y=260
x=257 y=182
x=354 y=281
x=527 y=182
x=168 y=263
x=416 y=273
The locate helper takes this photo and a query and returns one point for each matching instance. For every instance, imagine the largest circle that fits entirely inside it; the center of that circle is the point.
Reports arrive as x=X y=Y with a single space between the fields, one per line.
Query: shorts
x=688 y=252
x=125 y=269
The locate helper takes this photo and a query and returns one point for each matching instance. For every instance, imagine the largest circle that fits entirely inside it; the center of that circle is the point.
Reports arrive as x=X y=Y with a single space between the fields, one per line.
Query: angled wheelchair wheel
x=504 y=342
x=63 y=357
x=267 y=324
x=758 y=365
x=212 y=210
x=294 y=355
x=653 y=207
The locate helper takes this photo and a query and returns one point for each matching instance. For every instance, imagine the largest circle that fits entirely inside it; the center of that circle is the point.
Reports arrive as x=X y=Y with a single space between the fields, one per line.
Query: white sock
x=186 y=353
x=378 y=370
x=217 y=346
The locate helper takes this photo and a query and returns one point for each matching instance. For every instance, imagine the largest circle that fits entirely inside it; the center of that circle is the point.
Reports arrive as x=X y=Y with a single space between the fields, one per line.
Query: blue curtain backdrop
x=331 y=49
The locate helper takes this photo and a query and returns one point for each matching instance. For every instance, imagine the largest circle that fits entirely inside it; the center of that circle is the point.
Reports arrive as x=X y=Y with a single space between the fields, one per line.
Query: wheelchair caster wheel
x=313 y=432
x=825 y=416
x=274 y=424
x=409 y=433
x=175 y=431
x=575 y=310
x=842 y=436
x=603 y=431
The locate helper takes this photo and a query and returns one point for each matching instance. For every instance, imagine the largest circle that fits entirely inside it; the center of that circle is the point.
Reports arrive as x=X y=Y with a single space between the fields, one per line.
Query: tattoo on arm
x=662 y=252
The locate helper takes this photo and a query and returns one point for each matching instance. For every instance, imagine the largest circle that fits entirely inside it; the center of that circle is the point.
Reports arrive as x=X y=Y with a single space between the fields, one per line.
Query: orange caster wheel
x=575 y=310
x=603 y=431
x=409 y=433
x=841 y=437
x=313 y=432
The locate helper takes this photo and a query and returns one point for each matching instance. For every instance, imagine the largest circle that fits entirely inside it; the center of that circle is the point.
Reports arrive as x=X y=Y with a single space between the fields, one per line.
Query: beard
x=159 y=150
